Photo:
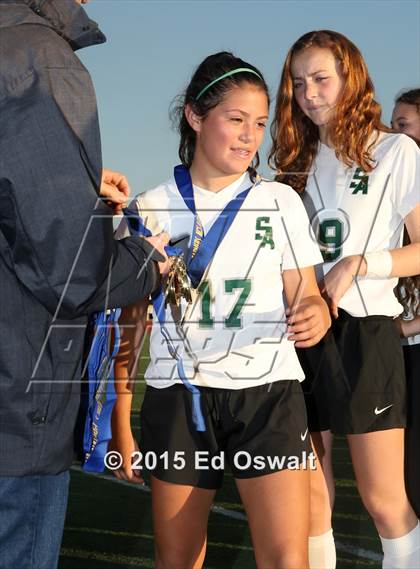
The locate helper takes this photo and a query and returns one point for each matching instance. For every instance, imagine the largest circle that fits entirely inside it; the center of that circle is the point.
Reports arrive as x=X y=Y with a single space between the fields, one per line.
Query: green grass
x=109 y=525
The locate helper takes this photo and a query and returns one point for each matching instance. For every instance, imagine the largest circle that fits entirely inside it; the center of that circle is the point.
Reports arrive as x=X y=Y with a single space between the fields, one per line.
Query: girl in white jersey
x=360 y=185
x=231 y=340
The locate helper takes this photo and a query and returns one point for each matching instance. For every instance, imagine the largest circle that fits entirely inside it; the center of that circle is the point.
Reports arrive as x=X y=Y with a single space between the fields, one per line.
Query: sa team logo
x=359 y=182
x=264 y=232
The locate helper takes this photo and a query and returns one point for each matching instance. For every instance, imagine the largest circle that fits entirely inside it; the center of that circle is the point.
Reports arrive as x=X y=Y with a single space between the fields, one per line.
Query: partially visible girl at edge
x=406 y=114
x=406 y=119
x=360 y=185
x=232 y=341
x=408 y=325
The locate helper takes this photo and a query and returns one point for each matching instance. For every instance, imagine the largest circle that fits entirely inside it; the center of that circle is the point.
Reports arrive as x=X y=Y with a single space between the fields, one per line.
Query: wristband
x=378 y=264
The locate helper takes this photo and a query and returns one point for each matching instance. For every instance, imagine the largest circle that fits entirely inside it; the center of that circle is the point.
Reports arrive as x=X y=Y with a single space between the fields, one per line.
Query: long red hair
x=353 y=128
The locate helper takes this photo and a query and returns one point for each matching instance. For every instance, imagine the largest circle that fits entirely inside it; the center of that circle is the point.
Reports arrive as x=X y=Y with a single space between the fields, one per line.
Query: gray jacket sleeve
x=54 y=232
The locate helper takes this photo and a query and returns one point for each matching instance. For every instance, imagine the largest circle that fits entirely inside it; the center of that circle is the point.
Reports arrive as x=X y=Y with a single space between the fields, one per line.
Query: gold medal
x=177 y=285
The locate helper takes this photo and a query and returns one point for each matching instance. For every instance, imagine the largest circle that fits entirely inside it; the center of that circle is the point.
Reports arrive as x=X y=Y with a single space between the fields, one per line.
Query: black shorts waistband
x=369 y=318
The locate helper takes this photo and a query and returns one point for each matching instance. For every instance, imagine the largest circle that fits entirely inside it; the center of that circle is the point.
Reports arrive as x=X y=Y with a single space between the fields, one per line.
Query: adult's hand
x=115 y=189
x=159 y=242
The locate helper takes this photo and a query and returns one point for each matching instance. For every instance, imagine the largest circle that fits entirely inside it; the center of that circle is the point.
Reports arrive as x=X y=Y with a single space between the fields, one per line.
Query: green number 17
x=233 y=320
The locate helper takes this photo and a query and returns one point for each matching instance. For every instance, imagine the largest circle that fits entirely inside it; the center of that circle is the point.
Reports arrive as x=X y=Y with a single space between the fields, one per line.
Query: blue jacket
x=58 y=259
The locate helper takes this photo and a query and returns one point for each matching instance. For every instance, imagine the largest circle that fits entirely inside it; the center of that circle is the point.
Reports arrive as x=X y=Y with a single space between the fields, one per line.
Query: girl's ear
x=193 y=120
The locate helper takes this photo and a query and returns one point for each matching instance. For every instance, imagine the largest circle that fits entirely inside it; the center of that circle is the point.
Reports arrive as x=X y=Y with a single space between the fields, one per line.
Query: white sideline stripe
x=356 y=551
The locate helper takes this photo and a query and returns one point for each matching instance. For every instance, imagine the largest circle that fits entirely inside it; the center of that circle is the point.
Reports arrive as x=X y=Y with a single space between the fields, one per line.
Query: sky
x=154 y=46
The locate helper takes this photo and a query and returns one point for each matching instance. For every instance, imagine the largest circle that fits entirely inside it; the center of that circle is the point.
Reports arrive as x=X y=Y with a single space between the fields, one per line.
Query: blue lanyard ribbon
x=201 y=256
x=102 y=396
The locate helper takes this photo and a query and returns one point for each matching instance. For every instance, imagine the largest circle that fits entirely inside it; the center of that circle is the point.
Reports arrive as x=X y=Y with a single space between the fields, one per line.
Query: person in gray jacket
x=58 y=264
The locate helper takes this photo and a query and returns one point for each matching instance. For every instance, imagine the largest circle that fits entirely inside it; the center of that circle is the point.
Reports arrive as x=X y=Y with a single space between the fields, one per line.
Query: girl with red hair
x=359 y=183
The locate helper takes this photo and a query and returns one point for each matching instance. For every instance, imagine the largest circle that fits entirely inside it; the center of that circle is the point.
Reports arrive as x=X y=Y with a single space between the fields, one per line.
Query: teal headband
x=228 y=74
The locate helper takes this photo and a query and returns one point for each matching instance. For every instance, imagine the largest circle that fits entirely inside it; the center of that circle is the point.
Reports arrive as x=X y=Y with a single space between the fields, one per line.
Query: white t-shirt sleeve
x=302 y=248
x=406 y=176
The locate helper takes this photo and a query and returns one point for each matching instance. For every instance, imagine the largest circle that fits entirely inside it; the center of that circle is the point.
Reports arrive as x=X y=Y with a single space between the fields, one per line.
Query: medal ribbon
x=203 y=247
x=102 y=396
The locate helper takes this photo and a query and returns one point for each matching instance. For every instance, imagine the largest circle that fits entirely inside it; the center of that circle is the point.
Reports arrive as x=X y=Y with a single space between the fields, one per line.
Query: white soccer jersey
x=352 y=212
x=233 y=334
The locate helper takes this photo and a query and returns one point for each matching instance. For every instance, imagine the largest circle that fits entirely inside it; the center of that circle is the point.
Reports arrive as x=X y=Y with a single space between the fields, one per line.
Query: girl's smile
x=229 y=136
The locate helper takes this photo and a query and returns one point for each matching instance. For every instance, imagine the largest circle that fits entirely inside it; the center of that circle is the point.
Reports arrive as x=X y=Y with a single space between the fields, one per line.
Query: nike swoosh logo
x=379 y=411
x=303 y=437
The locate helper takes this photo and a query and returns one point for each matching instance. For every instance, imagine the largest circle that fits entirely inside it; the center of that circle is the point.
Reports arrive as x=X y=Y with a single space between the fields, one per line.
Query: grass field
x=109 y=523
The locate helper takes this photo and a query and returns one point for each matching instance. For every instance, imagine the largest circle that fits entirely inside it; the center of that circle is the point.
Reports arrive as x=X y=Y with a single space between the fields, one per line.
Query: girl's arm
x=132 y=325
x=405 y=263
x=308 y=315
x=408 y=328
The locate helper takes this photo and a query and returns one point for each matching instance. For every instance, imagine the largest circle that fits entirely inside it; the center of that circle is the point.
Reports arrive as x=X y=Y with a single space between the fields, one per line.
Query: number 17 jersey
x=233 y=334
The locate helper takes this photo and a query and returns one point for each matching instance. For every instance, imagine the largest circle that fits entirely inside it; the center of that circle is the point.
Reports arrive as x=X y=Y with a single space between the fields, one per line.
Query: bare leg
x=180 y=516
x=322 y=484
x=378 y=461
x=277 y=506
x=321 y=546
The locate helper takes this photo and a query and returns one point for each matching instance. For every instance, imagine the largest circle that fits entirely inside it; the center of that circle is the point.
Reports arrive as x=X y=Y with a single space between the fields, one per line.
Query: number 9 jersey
x=232 y=335
x=353 y=212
